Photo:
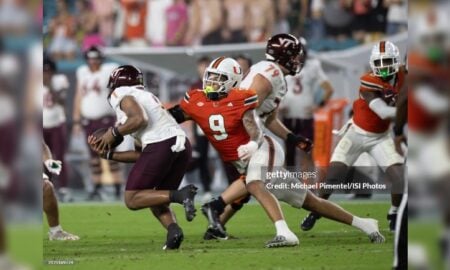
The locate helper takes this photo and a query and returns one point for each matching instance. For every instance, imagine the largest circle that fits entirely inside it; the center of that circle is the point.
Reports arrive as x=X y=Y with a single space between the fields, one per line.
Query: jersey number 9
x=217 y=124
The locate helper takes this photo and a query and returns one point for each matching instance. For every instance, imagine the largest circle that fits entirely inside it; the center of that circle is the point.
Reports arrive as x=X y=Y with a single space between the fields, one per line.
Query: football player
x=50 y=204
x=285 y=56
x=226 y=116
x=160 y=166
x=54 y=118
x=368 y=130
x=92 y=111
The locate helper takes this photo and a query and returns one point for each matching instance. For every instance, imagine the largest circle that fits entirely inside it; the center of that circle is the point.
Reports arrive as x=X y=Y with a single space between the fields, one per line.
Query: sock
x=393 y=210
x=55 y=229
x=117 y=188
x=363 y=225
x=282 y=227
x=176 y=196
x=218 y=205
x=97 y=188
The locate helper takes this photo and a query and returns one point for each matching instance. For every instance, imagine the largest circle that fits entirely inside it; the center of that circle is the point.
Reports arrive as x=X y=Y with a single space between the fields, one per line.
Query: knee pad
x=238 y=204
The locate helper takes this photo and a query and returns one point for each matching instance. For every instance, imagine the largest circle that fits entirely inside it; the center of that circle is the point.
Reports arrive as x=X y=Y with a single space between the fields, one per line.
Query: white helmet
x=385 y=59
x=228 y=75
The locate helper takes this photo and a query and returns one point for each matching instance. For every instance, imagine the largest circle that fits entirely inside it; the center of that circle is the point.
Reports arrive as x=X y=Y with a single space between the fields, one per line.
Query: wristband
x=398 y=131
x=291 y=138
x=108 y=155
x=115 y=132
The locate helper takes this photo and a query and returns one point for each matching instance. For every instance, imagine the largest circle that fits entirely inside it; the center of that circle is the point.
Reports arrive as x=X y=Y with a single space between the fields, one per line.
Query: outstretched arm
x=252 y=127
x=179 y=114
x=245 y=151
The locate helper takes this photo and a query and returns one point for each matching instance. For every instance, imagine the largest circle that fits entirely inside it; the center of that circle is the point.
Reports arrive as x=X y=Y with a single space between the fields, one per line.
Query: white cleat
x=62 y=236
x=283 y=241
x=373 y=231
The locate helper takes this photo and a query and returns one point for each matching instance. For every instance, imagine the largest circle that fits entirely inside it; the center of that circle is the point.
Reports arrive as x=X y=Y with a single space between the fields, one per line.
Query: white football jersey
x=299 y=101
x=53 y=114
x=94 y=91
x=274 y=74
x=161 y=125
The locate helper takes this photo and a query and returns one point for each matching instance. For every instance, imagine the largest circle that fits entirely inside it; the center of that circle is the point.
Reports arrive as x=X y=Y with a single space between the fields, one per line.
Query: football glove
x=301 y=142
x=245 y=151
x=53 y=166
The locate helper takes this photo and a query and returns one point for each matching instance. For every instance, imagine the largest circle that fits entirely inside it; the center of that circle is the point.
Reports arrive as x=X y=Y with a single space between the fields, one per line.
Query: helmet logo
x=237 y=70
x=116 y=71
x=284 y=42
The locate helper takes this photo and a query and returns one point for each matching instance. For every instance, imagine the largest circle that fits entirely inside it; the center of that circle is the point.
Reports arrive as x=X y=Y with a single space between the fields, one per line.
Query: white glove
x=53 y=166
x=179 y=144
x=245 y=151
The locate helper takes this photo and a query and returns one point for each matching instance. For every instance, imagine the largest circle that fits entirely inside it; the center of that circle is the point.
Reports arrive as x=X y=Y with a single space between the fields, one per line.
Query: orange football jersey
x=221 y=120
x=363 y=116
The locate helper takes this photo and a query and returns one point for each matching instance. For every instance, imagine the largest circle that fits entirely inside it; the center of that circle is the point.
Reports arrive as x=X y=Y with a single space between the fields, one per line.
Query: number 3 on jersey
x=217 y=123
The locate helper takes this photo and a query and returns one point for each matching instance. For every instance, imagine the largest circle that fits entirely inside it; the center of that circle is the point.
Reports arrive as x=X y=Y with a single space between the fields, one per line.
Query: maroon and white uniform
x=165 y=149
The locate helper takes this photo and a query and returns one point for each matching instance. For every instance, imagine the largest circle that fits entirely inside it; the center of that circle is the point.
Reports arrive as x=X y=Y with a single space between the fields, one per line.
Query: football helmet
x=93 y=53
x=384 y=59
x=284 y=50
x=223 y=72
x=126 y=75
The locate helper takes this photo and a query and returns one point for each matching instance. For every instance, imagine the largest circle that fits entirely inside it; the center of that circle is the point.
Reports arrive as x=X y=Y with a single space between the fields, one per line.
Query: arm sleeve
x=380 y=107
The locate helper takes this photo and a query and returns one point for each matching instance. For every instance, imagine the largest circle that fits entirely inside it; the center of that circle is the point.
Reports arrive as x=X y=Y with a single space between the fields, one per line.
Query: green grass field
x=113 y=237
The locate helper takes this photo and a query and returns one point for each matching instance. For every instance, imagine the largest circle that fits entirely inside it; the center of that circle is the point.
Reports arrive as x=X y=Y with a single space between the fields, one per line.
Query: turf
x=113 y=237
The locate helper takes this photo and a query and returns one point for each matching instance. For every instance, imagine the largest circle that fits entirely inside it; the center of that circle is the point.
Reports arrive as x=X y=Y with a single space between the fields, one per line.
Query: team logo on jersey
x=230 y=104
x=200 y=103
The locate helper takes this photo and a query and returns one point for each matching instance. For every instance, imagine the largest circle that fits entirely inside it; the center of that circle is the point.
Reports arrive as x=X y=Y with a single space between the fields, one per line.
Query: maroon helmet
x=284 y=49
x=125 y=75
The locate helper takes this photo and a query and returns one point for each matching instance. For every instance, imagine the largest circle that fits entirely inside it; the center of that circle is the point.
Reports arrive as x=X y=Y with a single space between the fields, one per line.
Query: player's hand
x=53 y=166
x=105 y=142
x=246 y=151
x=301 y=142
x=91 y=142
x=398 y=141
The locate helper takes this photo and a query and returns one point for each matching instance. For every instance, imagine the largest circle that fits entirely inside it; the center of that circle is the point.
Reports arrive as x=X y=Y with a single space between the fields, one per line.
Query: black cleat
x=189 y=193
x=309 y=221
x=392 y=218
x=213 y=218
x=174 y=237
x=215 y=233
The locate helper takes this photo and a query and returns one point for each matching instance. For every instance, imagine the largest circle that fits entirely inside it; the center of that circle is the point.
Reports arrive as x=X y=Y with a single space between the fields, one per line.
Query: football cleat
x=215 y=233
x=282 y=241
x=392 y=218
x=309 y=221
x=62 y=236
x=174 y=237
x=376 y=238
x=213 y=218
x=189 y=193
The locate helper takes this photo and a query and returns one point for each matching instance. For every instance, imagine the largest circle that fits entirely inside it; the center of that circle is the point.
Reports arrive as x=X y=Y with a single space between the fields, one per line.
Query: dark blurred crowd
x=327 y=24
